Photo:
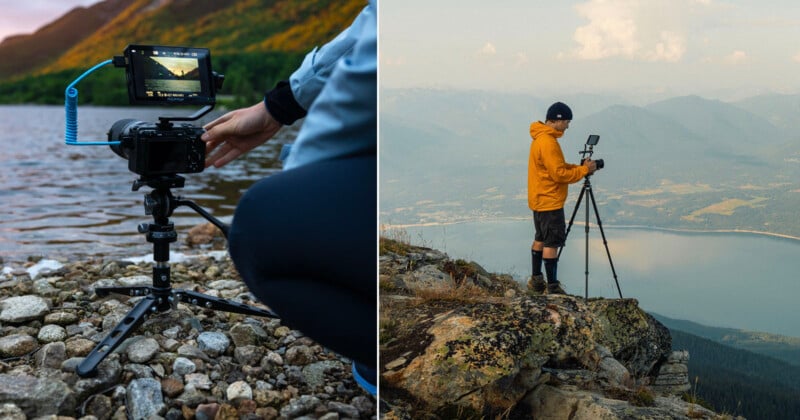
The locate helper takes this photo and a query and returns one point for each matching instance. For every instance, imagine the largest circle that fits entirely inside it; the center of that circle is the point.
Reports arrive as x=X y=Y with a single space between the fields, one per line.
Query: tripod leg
x=127 y=291
x=132 y=320
x=220 y=304
x=572 y=218
x=605 y=242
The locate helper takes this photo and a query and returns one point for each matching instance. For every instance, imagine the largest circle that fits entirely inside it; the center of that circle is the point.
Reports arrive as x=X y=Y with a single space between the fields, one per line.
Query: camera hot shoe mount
x=160 y=297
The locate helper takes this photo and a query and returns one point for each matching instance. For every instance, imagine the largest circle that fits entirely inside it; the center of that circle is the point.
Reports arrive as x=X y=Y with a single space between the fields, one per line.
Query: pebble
x=51 y=333
x=196 y=363
x=183 y=366
x=213 y=343
x=23 y=308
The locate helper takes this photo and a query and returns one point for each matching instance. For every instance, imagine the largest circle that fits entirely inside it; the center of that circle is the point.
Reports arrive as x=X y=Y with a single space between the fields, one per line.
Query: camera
x=152 y=150
x=163 y=75
x=588 y=150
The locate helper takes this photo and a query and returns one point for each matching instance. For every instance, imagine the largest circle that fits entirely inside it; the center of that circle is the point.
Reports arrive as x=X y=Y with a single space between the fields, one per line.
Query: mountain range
x=686 y=162
x=87 y=35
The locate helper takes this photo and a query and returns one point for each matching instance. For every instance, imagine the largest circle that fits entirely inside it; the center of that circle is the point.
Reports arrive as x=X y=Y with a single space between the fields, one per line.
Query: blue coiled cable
x=71 y=107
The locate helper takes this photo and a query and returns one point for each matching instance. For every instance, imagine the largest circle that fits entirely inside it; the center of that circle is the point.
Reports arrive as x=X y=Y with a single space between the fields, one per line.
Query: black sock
x=551 y=267
x=536 y=263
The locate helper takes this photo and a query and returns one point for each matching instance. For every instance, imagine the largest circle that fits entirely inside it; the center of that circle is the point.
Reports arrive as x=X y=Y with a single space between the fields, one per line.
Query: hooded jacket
x=548 y=173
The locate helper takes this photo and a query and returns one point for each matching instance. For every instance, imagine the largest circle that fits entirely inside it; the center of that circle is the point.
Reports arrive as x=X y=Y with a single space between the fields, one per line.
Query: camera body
x=152 y=150
x=163 y=75
x=588 y=149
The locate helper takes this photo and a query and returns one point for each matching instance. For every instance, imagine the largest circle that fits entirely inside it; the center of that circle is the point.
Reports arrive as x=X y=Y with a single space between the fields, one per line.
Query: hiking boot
x=537 y=284
x=555 y=289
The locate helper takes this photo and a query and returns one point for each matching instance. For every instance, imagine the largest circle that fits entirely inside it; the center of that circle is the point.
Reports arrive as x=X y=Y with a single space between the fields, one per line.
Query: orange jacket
x=548 y=173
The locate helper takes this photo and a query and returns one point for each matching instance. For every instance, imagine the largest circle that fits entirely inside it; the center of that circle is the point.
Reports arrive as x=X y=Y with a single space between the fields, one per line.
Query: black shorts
x=550 y=227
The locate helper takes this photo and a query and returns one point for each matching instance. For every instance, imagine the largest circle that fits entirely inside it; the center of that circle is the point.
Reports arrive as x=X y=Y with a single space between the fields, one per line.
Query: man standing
x=548 y=178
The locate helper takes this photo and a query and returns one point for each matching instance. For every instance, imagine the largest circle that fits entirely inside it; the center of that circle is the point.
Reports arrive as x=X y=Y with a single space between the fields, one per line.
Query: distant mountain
x=773 y=345
x=85 y=36
x=23 y=53
x=686 y=162
x=779 y=110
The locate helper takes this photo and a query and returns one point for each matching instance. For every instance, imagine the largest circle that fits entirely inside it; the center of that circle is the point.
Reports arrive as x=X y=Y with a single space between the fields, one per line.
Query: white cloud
x=488 y=49
x=736 y=57
x=796 y=58
x=655 y=30
x=521 y=58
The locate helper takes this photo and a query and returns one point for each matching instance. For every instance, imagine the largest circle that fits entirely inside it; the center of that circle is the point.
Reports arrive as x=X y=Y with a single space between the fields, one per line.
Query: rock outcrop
x=457 y=342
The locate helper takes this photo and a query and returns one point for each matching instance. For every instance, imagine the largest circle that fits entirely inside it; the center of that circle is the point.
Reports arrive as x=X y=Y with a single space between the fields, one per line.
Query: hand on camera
x=238 y=132
x=592 y=165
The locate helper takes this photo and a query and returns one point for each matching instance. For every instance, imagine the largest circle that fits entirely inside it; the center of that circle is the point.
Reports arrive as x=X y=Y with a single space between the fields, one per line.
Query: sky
x=26 y=16
x=720 y=49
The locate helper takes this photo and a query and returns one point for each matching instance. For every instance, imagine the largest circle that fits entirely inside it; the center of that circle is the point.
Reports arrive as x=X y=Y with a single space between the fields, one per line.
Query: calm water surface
x=71 y=201
x=730 y=280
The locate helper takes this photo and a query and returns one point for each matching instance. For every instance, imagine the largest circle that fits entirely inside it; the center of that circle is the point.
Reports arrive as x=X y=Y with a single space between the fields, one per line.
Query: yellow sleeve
x=558 y=169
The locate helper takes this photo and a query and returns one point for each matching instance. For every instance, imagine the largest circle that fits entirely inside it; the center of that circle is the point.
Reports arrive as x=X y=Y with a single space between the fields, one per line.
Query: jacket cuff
x=281 y=104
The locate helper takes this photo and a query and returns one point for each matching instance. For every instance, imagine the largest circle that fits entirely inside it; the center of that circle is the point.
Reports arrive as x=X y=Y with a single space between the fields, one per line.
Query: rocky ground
x=186 y=363
x=458 y=342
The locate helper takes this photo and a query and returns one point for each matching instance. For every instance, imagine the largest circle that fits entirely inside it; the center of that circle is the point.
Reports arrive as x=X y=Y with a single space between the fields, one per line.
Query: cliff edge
x=458 y=342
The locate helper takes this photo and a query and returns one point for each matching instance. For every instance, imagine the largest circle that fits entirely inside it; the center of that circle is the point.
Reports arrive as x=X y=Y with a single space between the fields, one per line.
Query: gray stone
x=183 y=366
x=51 y=333
x=345 y=410
x=239 y=390
x=248 y=355
x=198 y=381
x=61 y=318
x=144 y=398
x=108 y=373
x=135 y=281
x=363 y=404
x=314 y=373
x=42 y=287
x=11 y=412
x=247 y=335
x=139 y=370
x=298 y=406
x=23 y=308
x=36 y=397
x=16 y=345
x=299 y=355
x=225 y=284
x=142 y=350
x=213 y=343
x=51 y=355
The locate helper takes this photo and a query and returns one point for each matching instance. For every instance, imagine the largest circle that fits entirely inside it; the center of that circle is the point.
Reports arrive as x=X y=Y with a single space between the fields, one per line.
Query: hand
x=238 y=132
x=592 y=165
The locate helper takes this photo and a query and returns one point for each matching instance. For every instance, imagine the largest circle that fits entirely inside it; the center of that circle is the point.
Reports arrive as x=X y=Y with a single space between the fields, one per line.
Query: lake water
x=71 y=201
x=731 y=280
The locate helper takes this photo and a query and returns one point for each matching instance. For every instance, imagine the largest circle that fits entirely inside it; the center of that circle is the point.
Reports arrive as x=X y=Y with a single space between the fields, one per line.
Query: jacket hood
x=539 y=128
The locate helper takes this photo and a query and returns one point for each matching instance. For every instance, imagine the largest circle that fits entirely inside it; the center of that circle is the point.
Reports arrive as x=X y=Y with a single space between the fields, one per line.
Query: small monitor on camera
x=593 y=139
x=162 y=75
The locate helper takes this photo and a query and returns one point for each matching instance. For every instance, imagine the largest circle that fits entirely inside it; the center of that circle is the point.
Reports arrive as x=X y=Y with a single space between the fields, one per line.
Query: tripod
x=587 y=191
x=160 y=297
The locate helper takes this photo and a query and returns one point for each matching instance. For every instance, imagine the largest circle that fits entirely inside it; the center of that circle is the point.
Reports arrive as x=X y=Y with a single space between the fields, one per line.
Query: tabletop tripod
x=160 y=297
x=586 y=190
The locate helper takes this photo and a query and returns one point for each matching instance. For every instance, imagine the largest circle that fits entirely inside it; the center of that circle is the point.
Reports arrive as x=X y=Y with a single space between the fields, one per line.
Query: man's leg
x=536 y=281
x=304 y=241
x=554 y=227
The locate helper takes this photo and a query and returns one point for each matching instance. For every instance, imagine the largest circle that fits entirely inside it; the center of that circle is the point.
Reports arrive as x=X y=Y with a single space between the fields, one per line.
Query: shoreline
x=774 y=235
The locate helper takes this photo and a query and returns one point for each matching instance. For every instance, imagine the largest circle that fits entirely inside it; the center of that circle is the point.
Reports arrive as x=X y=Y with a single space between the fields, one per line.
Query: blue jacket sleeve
x=339 y=85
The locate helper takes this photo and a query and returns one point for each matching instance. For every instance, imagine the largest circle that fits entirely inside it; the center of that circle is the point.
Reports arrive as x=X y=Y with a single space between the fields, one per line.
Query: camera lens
x=119 y=129
x=600 y=163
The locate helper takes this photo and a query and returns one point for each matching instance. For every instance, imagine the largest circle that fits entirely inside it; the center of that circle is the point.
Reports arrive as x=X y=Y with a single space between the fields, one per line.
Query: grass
x=451 y=291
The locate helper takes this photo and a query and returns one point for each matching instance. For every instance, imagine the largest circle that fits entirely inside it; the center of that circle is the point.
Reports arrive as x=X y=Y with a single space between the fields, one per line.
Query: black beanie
x=558 y=111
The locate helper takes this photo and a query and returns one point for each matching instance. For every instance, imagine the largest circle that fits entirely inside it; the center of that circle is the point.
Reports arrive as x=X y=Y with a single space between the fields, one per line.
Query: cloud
x=796 y=58
x=736 y=57
x=488 y=50
x=654 y=31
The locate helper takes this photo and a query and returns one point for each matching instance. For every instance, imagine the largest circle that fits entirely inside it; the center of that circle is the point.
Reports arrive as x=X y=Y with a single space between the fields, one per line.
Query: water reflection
x=729 y=280
x=71 y=201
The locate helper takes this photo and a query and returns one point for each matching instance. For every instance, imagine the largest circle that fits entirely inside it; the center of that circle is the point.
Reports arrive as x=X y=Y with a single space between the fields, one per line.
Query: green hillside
x=740 y=382
x=253 y=42
x=777 y=346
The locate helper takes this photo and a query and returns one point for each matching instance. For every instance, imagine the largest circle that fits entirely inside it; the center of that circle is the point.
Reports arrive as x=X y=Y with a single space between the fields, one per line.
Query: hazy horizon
x=725 y=50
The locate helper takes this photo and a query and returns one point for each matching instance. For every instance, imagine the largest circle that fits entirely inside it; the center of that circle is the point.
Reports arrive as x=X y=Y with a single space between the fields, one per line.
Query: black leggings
x=305 y=242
